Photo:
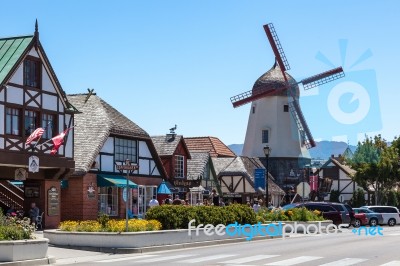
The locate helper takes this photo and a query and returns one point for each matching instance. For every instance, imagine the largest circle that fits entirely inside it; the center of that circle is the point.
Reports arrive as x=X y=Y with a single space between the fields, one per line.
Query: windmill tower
x=275 y=116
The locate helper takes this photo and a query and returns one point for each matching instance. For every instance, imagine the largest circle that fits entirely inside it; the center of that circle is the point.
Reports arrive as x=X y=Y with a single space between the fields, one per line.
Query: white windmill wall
x=284 y=138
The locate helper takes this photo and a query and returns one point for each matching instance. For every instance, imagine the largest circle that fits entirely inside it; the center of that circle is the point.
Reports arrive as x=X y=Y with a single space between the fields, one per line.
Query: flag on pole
x=58 y=141
x=35 y=135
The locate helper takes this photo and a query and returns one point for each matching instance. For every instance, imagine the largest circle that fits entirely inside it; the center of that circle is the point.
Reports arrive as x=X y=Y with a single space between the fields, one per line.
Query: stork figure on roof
x=275 y=116
x=172 y=130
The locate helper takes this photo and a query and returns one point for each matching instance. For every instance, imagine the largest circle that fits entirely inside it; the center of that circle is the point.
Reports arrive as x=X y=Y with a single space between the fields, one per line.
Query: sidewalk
x=70 y=256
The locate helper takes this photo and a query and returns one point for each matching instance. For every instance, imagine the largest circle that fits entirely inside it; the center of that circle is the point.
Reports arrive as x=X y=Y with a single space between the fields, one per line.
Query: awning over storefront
x=113 y=181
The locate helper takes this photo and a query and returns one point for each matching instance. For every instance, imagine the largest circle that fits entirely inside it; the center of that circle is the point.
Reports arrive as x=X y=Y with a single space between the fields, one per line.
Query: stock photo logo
x=350 y=105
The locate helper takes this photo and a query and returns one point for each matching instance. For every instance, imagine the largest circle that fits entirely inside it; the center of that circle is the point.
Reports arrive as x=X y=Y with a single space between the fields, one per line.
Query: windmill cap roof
x=273 y=79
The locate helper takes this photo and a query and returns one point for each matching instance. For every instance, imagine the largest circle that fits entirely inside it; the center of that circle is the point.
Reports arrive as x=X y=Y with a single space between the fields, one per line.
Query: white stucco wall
x=49 y=102
x=144 y=150
x=284 y=138
x=18 y=76
x=47 y=84
x=108 y=146
x=14 y=95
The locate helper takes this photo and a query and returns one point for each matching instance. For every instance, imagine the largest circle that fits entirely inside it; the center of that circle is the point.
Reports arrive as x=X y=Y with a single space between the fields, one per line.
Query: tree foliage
x=377 y=165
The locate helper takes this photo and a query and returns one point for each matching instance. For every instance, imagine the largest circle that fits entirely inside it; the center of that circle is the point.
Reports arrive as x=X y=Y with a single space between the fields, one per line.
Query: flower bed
x=13 y=228
x=17 y=241
x=134 y=225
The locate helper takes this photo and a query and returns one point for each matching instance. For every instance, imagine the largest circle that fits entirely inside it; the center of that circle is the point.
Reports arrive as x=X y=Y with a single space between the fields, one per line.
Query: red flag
x=58 y=141
x=35 y=135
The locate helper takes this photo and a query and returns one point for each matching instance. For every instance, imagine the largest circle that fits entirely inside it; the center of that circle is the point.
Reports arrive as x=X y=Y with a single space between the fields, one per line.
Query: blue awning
x=113 y=181
x=163 y=188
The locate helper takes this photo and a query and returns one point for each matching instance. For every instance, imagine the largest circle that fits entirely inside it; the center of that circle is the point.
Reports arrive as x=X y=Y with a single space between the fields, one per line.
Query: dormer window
x=32 y=73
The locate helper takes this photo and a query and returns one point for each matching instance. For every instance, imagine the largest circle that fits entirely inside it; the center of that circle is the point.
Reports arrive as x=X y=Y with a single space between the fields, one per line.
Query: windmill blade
x=301 y=123
x=255 y=94
x=323 y=78
x=276 y=47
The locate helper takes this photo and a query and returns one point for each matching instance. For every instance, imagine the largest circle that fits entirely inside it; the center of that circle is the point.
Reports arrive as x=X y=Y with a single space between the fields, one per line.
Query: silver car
x=391 y=215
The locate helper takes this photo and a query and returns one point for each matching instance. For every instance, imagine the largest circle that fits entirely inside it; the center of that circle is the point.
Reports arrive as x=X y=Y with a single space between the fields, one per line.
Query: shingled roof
x=94 y=124
x=166 y=145
x=213 y=145
x=338 y=162
x=243 y=166
x=197 y=165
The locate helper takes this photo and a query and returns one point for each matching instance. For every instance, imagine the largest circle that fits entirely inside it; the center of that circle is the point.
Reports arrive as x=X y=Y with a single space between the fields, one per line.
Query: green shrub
x=12 y=228
x=295 y=214
x=178 y=216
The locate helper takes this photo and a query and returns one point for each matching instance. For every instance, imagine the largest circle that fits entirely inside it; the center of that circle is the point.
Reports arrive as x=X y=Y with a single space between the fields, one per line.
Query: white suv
x=391 y=215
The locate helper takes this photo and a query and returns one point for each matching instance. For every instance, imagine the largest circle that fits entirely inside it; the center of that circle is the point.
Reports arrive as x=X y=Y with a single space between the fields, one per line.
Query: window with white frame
x=265 y=136
x=125 y=149
x=108 y=200
x=179 y=166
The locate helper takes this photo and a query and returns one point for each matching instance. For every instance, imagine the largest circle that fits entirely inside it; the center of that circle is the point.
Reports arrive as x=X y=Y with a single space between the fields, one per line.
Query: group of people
x=214 y=200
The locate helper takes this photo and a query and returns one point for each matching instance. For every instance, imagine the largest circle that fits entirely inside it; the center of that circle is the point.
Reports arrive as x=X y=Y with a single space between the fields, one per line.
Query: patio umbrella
x=163 y=189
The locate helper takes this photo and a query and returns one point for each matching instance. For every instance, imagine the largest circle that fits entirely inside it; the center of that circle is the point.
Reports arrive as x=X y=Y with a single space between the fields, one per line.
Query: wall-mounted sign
x=91 y=192
x=20 y=174
x=33 y=164
x=186 y=183
x=53 y=202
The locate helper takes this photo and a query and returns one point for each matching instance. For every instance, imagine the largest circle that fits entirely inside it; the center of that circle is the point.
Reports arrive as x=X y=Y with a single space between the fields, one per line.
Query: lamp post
x=129 y=168
x=267 y=151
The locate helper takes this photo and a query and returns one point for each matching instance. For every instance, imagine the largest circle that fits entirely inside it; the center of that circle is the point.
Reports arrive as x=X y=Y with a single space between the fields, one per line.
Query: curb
x=164 y=247
x=44 y=261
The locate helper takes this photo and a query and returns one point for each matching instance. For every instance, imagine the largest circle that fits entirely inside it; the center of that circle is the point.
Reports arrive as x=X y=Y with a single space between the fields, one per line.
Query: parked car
x=346 y=211
x=326 y=209
x=360 y=219
x=391 y=215
x=374 y=218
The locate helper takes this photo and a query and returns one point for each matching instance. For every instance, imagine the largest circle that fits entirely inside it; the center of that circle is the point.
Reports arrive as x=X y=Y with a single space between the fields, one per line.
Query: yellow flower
x=316 y=212
x=290 y=213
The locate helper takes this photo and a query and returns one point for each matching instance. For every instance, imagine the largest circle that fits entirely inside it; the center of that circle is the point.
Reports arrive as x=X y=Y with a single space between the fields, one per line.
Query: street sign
x=125 y=194
x=130 y=167
x=303 y=189
x=259 y=179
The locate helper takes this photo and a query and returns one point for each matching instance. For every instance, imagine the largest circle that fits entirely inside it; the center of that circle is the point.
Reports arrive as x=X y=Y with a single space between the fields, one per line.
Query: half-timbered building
x=104 y=139
x=31 y=97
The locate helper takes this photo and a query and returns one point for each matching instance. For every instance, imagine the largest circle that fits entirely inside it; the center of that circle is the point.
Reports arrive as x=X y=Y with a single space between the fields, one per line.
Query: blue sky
x=163 y=63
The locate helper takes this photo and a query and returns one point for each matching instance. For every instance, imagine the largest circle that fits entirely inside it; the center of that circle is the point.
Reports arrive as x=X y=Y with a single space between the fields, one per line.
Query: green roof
x=11 y=49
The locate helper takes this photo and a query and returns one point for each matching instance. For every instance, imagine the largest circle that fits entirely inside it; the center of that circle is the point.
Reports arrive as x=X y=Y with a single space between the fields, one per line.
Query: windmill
x=272 y=90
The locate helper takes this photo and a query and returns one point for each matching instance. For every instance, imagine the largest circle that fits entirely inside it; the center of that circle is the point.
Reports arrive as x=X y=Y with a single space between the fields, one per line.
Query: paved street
x=327 y=250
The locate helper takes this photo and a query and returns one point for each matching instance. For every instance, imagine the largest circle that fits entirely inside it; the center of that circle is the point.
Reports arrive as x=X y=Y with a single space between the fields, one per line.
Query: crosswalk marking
x=201 y=259
x=344 y=262
x=164 y=258
x=392 y=263
x=126 y=258
x=294 y=261
x=249 y=259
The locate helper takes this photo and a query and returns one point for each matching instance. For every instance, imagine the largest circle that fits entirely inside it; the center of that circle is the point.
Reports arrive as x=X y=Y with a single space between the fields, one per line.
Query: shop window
x=31 y=73
x=179 y=166
x=125 y=149
x=31 y=121
x=108 y=200
x=13 y=118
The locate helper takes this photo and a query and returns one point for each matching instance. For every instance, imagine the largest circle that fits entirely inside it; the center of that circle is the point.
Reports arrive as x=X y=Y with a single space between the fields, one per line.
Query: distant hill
x=323 y=150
